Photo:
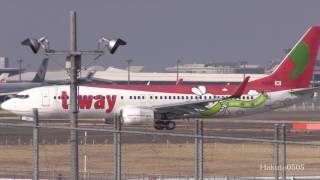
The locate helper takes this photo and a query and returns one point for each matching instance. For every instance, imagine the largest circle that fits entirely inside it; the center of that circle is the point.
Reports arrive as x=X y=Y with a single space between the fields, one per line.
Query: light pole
x=244 y=63
x=20 y=67
x=74 y=60
x=85 y=155
x=128 y=67
x=178 y=63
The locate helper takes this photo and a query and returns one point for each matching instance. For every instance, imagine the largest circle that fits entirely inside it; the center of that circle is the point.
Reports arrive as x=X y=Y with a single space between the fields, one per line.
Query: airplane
x=286 y=85
x=10 y=89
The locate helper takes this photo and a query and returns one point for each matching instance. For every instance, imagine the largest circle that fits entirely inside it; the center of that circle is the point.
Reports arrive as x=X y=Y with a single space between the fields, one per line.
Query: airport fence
x=211 y=152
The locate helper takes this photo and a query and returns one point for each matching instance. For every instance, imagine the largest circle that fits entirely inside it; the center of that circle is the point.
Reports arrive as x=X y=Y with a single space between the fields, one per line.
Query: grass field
x=164 y=159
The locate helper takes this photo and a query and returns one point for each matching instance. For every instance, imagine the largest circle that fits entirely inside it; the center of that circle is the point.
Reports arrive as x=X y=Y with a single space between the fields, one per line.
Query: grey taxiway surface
x=255 y=126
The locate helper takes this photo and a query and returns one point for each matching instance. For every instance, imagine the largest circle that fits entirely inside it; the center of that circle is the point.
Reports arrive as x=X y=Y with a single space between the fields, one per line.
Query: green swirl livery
x=234 y=103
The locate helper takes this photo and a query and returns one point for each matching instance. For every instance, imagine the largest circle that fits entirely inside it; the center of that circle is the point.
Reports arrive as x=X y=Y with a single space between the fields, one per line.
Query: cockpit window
x=21 y=96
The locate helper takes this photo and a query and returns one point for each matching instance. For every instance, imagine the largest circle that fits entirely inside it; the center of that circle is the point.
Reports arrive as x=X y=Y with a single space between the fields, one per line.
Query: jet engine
x=137 y=115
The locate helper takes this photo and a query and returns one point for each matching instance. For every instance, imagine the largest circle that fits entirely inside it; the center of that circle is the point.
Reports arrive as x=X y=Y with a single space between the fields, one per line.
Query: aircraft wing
x=193 y=108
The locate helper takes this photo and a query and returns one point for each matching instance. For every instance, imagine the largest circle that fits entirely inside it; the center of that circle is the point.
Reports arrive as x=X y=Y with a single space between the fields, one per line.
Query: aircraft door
x=45 y=97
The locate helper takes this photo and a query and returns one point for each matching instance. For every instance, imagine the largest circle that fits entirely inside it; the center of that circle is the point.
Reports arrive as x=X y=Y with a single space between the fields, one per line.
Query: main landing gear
x=161 y=125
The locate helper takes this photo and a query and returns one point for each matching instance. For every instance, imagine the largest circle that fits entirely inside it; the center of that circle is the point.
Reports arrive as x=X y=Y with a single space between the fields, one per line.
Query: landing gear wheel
x=171 y=125
x=158 y=125
x=161 y=125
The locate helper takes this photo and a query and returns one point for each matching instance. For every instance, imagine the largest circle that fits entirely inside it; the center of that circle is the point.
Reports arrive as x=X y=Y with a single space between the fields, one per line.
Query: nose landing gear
x=161 y=125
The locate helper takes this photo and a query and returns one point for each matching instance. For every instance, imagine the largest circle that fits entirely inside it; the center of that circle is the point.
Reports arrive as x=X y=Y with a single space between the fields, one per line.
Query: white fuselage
x=95 y=102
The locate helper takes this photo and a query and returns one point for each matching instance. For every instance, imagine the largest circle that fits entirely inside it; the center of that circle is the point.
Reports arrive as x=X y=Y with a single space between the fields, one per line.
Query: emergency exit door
x=45 y=97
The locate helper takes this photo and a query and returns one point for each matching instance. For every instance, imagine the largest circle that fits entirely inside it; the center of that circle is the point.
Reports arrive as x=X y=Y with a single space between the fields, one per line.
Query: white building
x=4 y=62
x=218 y=68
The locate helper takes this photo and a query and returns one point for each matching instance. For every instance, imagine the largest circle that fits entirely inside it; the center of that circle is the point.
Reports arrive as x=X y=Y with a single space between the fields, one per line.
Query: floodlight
x=35 y=44
x=112 y=44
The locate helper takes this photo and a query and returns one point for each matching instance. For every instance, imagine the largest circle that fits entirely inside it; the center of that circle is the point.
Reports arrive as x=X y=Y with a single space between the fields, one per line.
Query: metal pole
x=199 y=150
x=244 y=63
x=178 y=62
x=35 y=145
x=117 y=147
x=20 y=67
x=196 y=141
x=276 y=152
x=73 y=98
x=284 y=152
x=85 y=155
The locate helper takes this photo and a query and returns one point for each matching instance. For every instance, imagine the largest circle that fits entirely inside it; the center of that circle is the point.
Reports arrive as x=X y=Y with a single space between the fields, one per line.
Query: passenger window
x=121 y=97
x=130 y=97
x=187 y=97
x=169 y=97
x=150 y=97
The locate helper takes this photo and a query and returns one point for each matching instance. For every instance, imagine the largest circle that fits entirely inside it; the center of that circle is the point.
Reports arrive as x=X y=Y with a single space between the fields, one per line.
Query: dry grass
x=165 y=159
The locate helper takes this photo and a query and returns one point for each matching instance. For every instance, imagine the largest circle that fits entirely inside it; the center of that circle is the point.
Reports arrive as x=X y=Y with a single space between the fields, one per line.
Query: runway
x=255 y=126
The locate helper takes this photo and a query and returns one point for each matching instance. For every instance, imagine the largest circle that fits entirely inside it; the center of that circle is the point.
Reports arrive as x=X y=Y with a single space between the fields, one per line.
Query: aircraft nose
x=7 y=105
